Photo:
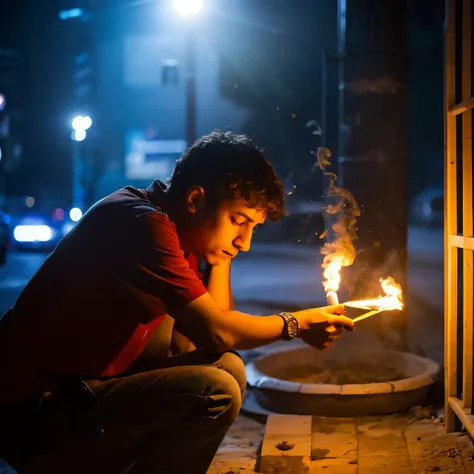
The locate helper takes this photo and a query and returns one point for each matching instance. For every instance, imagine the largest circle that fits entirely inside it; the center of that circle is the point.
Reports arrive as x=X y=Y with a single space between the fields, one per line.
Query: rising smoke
x=339 y=250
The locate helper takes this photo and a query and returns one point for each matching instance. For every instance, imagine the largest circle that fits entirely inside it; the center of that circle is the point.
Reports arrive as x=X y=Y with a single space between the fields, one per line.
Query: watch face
x=292 y=328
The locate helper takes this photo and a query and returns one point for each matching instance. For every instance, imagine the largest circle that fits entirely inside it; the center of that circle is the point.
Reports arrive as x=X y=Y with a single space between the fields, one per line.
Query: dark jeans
x=169 y=420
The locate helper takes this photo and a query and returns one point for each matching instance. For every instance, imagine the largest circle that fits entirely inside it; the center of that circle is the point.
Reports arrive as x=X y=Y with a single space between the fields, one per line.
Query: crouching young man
x=99 y=371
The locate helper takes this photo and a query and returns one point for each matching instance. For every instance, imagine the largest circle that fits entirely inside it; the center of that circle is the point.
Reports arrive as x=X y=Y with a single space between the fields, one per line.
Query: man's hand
x=217 y=281
x=319 y=327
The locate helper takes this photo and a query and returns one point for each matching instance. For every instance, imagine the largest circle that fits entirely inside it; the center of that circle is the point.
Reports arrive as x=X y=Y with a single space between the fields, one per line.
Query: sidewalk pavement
x=396 y=444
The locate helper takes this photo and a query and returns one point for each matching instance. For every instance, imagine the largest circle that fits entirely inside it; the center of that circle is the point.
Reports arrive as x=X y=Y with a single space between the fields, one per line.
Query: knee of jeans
x=232 y=363
x=225 y=399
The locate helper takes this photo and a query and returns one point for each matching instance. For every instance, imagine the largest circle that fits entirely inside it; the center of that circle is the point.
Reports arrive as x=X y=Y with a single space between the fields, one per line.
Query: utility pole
x=373 y=117
x=191 y=86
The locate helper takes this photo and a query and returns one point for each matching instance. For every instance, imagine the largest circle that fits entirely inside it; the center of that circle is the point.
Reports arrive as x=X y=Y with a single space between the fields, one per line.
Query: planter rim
x=259 y=380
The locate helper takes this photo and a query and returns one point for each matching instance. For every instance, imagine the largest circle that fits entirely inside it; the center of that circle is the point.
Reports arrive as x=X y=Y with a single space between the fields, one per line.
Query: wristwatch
x=291 y=327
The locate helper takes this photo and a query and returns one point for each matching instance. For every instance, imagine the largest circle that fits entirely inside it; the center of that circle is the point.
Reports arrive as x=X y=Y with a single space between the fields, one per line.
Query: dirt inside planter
x=356 y=371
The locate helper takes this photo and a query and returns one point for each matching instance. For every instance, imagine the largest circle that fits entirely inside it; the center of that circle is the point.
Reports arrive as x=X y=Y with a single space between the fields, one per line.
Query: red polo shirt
x=91 y=307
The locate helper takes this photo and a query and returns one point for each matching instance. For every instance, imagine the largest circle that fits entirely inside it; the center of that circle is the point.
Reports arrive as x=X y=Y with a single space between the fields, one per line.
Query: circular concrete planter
x=269 y=389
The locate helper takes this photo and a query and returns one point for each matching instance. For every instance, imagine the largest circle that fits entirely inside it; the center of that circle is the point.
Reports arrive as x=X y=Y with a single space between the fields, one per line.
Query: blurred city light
x=81 y=123
x=0 y=154
x=75 y=214
x=32 y=233
x=58 y=214
x=86 y=122
x=188 y=7
x=79 y=135
x=30 y=201
x=72 y=13
x=77 y=122
x=3 y=101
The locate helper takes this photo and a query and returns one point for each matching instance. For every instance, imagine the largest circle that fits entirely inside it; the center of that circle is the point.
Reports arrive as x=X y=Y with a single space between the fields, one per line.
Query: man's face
x=227 y=230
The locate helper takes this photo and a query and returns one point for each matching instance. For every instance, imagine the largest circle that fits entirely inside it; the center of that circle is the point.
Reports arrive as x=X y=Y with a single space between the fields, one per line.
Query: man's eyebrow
x=248 y=218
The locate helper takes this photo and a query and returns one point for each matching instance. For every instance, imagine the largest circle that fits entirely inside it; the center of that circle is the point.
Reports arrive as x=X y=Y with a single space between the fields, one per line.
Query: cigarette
x=366 y=315
x=332 y=298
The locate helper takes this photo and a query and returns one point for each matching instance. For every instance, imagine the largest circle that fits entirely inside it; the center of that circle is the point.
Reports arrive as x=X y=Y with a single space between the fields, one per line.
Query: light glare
x=77 y=122
x=188 y=7
x=86 y=122
x=32 y=233
x=72 y=13
x=75 y=214
x=79 y=135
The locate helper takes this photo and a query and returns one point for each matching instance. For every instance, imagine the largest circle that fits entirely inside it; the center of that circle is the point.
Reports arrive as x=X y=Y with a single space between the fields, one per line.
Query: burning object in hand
x=339 y=252
x=392 y=300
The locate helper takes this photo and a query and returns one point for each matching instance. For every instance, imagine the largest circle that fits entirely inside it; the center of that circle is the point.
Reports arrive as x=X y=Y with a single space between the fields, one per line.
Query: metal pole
x=373 y=141
x=78 y=176
x=191 y=84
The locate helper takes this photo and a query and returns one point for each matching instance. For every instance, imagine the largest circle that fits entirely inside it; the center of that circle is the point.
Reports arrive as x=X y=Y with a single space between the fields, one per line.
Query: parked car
x=42 y=231
x=4 y=237
x=35 y=232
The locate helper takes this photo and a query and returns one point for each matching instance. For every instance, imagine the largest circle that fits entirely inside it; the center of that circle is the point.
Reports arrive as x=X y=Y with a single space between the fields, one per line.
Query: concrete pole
x=191 y=38
x=372 y=164
x=78 y=191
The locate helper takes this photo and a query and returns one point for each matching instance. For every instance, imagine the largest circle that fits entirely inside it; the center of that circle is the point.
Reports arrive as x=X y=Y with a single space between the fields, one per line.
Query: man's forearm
x=250 y=332
x=217 y=282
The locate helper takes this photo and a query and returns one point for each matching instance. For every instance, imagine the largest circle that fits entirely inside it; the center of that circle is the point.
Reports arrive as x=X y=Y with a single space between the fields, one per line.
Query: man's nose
x=242 y=242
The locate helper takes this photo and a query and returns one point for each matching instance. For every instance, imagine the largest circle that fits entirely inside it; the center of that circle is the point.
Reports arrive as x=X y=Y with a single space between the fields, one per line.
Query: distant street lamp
x=81 y=122
x=79 y=135
x=79 y=126
x=190 y=8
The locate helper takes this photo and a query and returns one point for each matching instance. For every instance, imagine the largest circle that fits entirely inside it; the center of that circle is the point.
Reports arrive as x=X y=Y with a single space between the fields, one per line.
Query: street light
x=188 y=7
x=79 y=135
x=79 y=125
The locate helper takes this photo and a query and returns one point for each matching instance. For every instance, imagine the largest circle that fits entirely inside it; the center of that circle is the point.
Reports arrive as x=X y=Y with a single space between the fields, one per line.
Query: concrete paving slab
x=324 y=424
x=334 y=466
x=392 y=464
x=334 y=445
x=382 y=443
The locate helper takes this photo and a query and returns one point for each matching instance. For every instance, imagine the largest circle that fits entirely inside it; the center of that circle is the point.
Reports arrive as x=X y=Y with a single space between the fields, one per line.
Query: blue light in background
x=73 y=13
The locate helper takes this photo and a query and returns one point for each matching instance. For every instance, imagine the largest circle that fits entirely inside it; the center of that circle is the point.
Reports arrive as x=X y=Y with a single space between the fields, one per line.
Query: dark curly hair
x=227 y=166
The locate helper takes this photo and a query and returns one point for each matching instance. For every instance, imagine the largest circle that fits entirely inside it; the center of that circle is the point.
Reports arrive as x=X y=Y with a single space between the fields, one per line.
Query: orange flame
x=390 y=301
x=332 y=270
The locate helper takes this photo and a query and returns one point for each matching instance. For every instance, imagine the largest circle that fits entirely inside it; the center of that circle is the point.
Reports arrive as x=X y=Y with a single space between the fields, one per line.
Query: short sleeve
x=157 y=268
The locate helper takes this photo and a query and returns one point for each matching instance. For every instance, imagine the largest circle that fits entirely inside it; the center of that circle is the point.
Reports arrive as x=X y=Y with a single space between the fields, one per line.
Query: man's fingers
x=334 y=309
x=342 y=321
x=334 y=330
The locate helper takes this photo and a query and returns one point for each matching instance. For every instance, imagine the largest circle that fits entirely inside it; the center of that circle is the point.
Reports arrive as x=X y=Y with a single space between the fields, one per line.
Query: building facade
x=141 y=112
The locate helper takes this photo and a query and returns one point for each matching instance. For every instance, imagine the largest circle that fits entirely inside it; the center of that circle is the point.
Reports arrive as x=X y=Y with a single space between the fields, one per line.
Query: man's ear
x=195 y=199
